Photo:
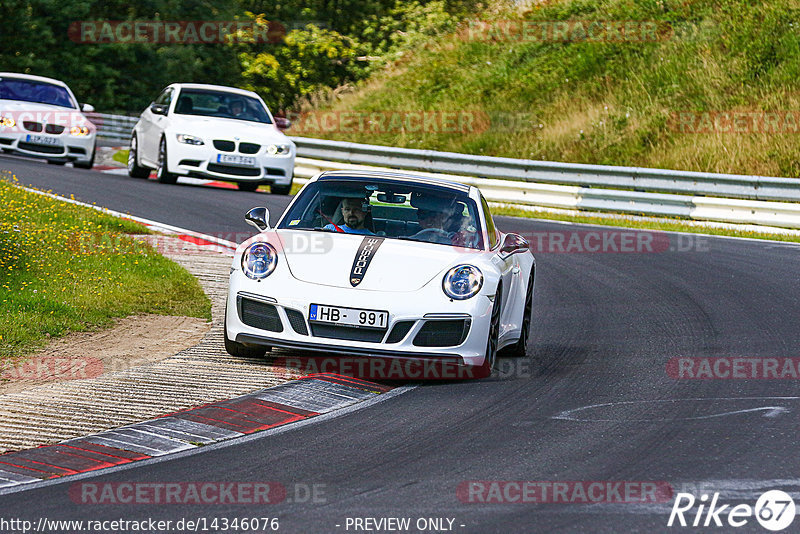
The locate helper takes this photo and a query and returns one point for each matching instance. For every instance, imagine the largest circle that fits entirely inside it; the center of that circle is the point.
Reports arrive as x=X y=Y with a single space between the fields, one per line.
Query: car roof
x=399 y=176
x=214 y=88
x=33 y=78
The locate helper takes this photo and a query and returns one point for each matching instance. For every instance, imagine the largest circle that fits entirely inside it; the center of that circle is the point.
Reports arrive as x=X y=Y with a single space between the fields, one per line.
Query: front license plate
x=235 y=159
x=42 y=140
x=348 y=316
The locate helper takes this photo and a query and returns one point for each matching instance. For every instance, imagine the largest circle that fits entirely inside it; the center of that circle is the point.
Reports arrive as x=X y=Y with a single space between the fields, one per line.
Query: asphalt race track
x=596 y=403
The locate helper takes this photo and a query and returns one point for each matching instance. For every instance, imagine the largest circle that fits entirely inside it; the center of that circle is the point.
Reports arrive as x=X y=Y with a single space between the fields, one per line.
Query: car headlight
x=259 y=260
x=462 y=282
x=79 y=131
x=7 y=122
x=190 y=139
x=278 y=150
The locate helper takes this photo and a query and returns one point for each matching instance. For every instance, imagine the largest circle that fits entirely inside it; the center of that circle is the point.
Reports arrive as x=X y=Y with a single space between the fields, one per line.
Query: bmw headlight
x=278 y=150
x=259 y=260
x=462 y=282
x=7 y=122
x=79 y=131
x=190 y=139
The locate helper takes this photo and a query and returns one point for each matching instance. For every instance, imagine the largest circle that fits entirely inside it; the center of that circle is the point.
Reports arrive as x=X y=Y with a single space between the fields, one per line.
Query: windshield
x=221 y=104
x=388 y=208
x=35 y=91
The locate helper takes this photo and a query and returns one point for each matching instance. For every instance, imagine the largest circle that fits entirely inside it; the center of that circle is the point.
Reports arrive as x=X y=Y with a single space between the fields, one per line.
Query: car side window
x=491 y=231
x=165 y=98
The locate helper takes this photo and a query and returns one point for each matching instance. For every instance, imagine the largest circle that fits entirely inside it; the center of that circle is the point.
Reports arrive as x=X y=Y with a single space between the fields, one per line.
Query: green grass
x=71 y=268
x=601 y=102
x=121 y=156
x=665 y=225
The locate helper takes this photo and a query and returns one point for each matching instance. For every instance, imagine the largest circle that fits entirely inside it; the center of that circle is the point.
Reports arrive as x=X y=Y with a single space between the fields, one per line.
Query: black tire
x=518 y=349
x=241 y=350
x=164 y=176
x=134 y=169
x=55 y=162
x=248 y=186
x=89 y=164
x=281 y=189
x=492 y=339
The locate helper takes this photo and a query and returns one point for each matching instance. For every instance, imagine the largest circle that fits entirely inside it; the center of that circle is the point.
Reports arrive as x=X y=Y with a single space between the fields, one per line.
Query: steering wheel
x=434 y=235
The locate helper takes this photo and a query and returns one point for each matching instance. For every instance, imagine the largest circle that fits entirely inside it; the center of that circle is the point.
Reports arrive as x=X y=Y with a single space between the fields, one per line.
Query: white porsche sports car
x=212 y=131
x=384 y=265
x=41 y=118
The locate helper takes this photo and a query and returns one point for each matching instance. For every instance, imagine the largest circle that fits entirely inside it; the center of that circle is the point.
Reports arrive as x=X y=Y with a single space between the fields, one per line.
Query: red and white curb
x=188 y=430
x=315 y=395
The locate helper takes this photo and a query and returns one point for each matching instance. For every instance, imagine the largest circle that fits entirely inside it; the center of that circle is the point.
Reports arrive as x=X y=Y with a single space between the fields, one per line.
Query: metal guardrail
x=548 y=172
x=116 y=127
x=727 y=198
x=732 y=198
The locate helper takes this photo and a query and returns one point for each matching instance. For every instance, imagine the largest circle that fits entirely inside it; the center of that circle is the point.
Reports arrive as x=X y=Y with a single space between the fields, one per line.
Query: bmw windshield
x=387 y=208
x=25 y=90
x=221 y=104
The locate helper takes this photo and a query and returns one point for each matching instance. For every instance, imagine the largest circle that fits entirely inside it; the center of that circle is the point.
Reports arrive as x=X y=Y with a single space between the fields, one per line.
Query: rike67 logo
x=774 y=510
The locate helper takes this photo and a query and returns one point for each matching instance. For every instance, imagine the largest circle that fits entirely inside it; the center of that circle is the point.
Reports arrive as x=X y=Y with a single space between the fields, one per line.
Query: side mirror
x=158 y=109
x=514 y=244
x=88 y=108
x=283 y=123
x=258 y=217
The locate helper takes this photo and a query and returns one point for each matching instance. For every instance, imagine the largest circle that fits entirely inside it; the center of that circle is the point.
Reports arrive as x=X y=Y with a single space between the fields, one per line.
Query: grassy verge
x=608 y=101
x=666 y=225
x=121 y=156
x=71 y=268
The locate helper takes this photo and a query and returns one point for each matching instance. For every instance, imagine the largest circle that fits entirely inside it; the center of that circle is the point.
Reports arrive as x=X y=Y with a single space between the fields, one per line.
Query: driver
x=433 y=214
x=354 y=216
x=237 y=108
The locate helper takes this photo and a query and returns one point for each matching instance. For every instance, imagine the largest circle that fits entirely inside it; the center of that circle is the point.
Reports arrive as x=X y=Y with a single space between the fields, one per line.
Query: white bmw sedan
x=211 y=131
x=41 y=118
x=386 y=266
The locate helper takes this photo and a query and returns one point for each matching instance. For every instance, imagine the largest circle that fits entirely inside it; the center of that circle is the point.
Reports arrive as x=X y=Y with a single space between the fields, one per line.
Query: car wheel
x=248 y=186
x=134 y=169
x=164 y=176
x=86 y=164
x=281 y=189
x=494 y=334
x=518 y=349
x=55 y=162
x=241 y=350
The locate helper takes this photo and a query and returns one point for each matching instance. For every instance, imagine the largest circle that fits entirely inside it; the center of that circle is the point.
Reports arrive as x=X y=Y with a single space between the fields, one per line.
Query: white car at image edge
x=41 y=118
x=382 y=265
x=212 y=132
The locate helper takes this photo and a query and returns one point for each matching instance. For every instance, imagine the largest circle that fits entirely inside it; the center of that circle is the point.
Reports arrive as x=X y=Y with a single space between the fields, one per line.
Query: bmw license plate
x=42 y=140
x=349 y=316
x=236 y=159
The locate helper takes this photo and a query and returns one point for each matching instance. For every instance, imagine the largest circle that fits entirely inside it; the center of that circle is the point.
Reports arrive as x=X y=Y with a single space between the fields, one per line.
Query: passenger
x=354 y=217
